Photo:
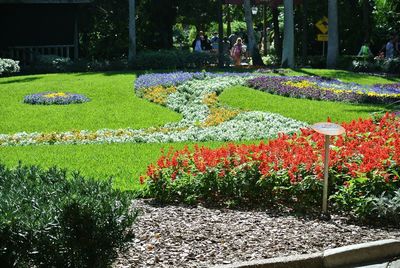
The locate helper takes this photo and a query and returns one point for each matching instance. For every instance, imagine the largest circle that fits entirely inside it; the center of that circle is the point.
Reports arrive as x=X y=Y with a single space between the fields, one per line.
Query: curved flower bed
x=318 y=88
x=364 y=163
x=194 y=95
x=61 y=98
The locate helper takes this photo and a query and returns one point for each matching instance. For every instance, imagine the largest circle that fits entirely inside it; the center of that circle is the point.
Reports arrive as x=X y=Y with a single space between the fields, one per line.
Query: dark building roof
x=45 y=1
x=272 y=3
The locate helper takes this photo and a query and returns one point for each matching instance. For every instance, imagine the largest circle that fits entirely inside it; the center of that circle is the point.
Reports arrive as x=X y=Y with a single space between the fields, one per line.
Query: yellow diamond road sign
x=322 y=25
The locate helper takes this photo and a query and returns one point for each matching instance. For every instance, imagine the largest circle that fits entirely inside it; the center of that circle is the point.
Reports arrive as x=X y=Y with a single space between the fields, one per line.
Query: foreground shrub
x=288 y=170
x=8 y=66
x=51 y=220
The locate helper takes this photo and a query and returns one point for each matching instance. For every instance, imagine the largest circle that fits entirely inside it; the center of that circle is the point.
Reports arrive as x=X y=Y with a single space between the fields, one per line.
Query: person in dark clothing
x=205 y=43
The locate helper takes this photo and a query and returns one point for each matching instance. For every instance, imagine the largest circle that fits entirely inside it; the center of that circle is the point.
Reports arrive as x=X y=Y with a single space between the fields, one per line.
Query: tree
x=277 y=33
x=288 y=35
x=366 y=17
x=132 y=32
x=252 y=45
x=333 y=35
x=155 y=23
x=304 y=32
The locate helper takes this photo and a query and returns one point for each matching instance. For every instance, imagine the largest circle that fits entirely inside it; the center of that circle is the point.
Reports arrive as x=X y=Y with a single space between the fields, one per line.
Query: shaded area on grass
x=309 y=111
x=20 y=80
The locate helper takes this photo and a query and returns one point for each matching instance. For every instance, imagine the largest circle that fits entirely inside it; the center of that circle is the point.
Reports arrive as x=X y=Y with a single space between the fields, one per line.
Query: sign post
x=322 y=26
x=327 y=129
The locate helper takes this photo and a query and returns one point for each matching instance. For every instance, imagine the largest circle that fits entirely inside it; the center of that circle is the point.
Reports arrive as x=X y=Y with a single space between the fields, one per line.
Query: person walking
x=196 y=45
x=390 y=47
x=233 y=38
x=365 y=51
x=236 y=52
x=215 y=41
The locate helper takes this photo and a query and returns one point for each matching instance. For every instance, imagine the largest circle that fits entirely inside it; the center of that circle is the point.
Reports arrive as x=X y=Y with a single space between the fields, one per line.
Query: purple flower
x=176 y=78
x=318 y=88
x=60 y=98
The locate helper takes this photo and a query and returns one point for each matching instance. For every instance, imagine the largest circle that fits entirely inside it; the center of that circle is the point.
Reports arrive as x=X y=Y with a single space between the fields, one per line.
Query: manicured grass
x=125 y=162
x=309 y=111
x=113 y=104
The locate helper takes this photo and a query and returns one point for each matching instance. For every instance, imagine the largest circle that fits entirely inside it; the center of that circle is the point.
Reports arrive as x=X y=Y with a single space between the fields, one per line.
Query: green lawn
x=309 y=111
x=124 y=161
x=113 y=104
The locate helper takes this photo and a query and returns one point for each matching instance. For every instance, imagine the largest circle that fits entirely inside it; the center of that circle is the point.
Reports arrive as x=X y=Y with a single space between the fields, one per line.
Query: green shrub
x=8 y=66
x=364 y=65
x=51 y=220
x=54 y=63
x=363 y=197
x=386 y=207
x=176 y=59
x=391 y=66
x=271 y=60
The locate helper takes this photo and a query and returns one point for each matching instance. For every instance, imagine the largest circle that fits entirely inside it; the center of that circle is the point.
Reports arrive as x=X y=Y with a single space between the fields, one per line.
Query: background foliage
x=168 y=23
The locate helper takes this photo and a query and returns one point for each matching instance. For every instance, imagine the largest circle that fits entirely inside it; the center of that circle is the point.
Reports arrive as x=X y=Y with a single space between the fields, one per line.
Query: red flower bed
x=289 y=164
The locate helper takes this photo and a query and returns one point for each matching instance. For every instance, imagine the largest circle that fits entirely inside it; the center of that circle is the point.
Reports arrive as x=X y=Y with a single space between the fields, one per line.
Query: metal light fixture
x=254 y=10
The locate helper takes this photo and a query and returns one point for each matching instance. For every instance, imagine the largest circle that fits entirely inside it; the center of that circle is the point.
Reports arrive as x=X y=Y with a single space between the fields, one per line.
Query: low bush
x=364 y=65
x=49 y=219
x=54 y=63
x=391 y=66
x=271 y=60
x=363 y=164
x=176 y=59
x=8 y=66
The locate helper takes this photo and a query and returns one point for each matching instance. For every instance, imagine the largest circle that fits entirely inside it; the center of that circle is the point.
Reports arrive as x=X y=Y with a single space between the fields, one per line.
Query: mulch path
x=181 y=236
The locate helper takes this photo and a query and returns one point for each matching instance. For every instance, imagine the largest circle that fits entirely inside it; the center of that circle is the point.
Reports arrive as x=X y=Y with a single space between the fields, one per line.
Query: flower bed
x=195 y=96
x=364 y=164
x=60 y=98
x=318 y=88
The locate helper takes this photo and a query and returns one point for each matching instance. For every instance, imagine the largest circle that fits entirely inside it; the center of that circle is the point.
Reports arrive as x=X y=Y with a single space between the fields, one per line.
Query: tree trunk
x=333 y=35
x=220 y=35
x=132 y=33
x=304 y=36
x=366 y=10
x=252 y=45
x=228 y=20
x=288 y=35
x=277 y=34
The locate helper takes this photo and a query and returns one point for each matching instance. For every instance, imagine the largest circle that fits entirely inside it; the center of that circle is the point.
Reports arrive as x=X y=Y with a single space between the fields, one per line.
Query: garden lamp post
x=328 y=130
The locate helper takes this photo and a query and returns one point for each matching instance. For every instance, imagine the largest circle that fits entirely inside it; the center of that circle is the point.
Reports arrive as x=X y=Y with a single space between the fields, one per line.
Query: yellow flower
x=211 y=99
x=158 y=94
x=300 y=84
x=219 y=115
x=55 y=95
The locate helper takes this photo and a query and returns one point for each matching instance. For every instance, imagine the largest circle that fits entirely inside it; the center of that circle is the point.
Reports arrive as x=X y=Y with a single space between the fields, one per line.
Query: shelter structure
x=39 y=27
